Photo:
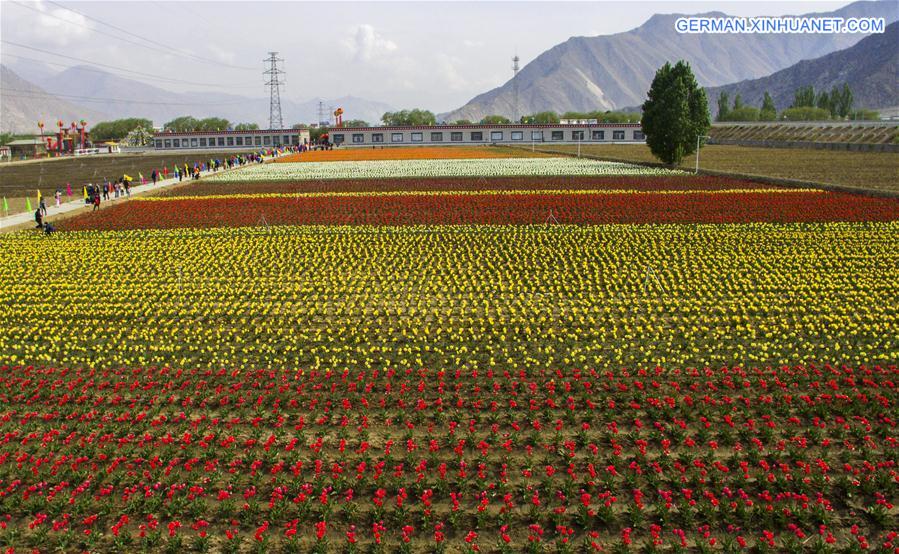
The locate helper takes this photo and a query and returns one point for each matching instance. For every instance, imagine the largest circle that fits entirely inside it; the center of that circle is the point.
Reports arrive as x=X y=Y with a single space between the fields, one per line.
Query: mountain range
x=23 y=104
x=870 y=67
x=614 y=71
x=117 y=97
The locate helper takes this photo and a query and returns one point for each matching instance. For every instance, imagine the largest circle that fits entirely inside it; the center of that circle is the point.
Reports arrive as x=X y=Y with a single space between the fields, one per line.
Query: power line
x=151 y=75
x=164 y=50
x=151 y=41
x=40 y=94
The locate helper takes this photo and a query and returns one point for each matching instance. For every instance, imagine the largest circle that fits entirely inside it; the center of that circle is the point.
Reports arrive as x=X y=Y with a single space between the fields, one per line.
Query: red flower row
x=520 y=209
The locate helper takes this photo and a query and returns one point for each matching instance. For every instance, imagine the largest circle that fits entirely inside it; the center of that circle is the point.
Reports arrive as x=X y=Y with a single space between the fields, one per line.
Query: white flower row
x=499 y=167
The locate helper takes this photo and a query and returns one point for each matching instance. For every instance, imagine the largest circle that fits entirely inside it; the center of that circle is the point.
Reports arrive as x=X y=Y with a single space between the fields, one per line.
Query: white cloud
x=447 y=67
x=365 y=44
x=58 y=26
x=468 y=43
x=221 y=54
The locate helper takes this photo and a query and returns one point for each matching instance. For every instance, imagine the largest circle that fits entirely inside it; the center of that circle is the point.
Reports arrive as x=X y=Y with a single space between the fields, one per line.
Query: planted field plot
x=861 y=170
x=580 y=207
x=459 y=184
x=517 y=359
x=454 y=296
x=450 y=460
x=416 y=153
x=485 y=168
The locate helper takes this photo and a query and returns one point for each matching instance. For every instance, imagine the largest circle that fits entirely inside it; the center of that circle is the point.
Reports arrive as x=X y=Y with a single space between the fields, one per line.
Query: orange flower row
x=409 y=153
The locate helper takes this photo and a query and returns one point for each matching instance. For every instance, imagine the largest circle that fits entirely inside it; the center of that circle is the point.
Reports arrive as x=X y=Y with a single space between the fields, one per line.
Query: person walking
x=42 y=206
x=96 y=202
x=58 y=197
x=39 y=219
x=128 y=187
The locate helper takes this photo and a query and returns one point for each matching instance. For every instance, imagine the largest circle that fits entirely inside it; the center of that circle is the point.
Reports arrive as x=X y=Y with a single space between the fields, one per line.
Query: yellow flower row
x=453 y=296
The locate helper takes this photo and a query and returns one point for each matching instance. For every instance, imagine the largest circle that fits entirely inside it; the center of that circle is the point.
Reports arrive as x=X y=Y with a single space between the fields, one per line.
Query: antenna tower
x=515 y=68
x=274 y=83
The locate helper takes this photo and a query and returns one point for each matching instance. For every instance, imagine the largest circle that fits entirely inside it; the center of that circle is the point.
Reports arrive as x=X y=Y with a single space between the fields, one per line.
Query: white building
x=486 y=134
x=266 y=138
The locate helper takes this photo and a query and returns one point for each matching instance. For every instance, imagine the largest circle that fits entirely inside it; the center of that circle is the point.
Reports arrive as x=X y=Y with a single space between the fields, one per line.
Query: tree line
x=807 y=106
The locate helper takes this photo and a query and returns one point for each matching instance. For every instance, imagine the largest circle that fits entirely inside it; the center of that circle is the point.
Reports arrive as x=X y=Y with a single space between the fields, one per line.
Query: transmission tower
x=274 y=83
x=321 y=114
x=515 y=116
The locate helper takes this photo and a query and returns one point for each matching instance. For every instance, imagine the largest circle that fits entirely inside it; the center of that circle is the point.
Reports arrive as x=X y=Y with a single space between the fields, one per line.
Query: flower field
x=417 y=153
x=490 y=207
x=381 y=169
x=488 y=460
x=463 y=184
x=454 y=355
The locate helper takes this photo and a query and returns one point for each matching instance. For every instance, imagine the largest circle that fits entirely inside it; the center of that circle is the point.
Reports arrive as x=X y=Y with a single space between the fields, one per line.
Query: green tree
x=804 y=97
x=723 y=106
x=616 y=117
x=675 y=114
x=541 y=118
x=842 y=100
x=864 y=115
x=805 y=113
x=738 y=102
x=823 y=101
x=768 y=111
x=356 y=123
x=494 y=120
x=461 y=122
x=744 y=113
x=246 y=127
x=213 y=124
x=183 y=124
x=117 y=129
x=299 y=126
x=409 y=117
x=139 y=136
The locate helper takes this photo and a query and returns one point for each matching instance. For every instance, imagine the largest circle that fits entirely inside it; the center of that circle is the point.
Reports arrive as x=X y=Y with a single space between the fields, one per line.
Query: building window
x=168 y=143
x=416 y=137
x=456 y=137
x=537 y=136
x=358 y=138
x=496 y=136
x=221 y=141
x=295 y=139
x=396 y=137
x=638 y=135
x=577 y=135
x=377 y=137
x=436 y=137
x=267 y=140
x=338 y=139
x=477 y=136
x=231 y=141
x=203 y=141
x=257 y=140
x=599 y=135
x=286 y=139
x=617 y=135
x=517 y=135
x=193 y=143
x=558 y=135
x=248 y=141
x=158 y=143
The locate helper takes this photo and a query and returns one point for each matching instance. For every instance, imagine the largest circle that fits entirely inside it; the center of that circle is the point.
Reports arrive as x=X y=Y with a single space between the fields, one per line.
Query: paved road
x=19 y=221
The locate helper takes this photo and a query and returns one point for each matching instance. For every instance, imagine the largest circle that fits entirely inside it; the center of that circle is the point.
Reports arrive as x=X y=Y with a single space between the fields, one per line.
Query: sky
x=436 y=55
